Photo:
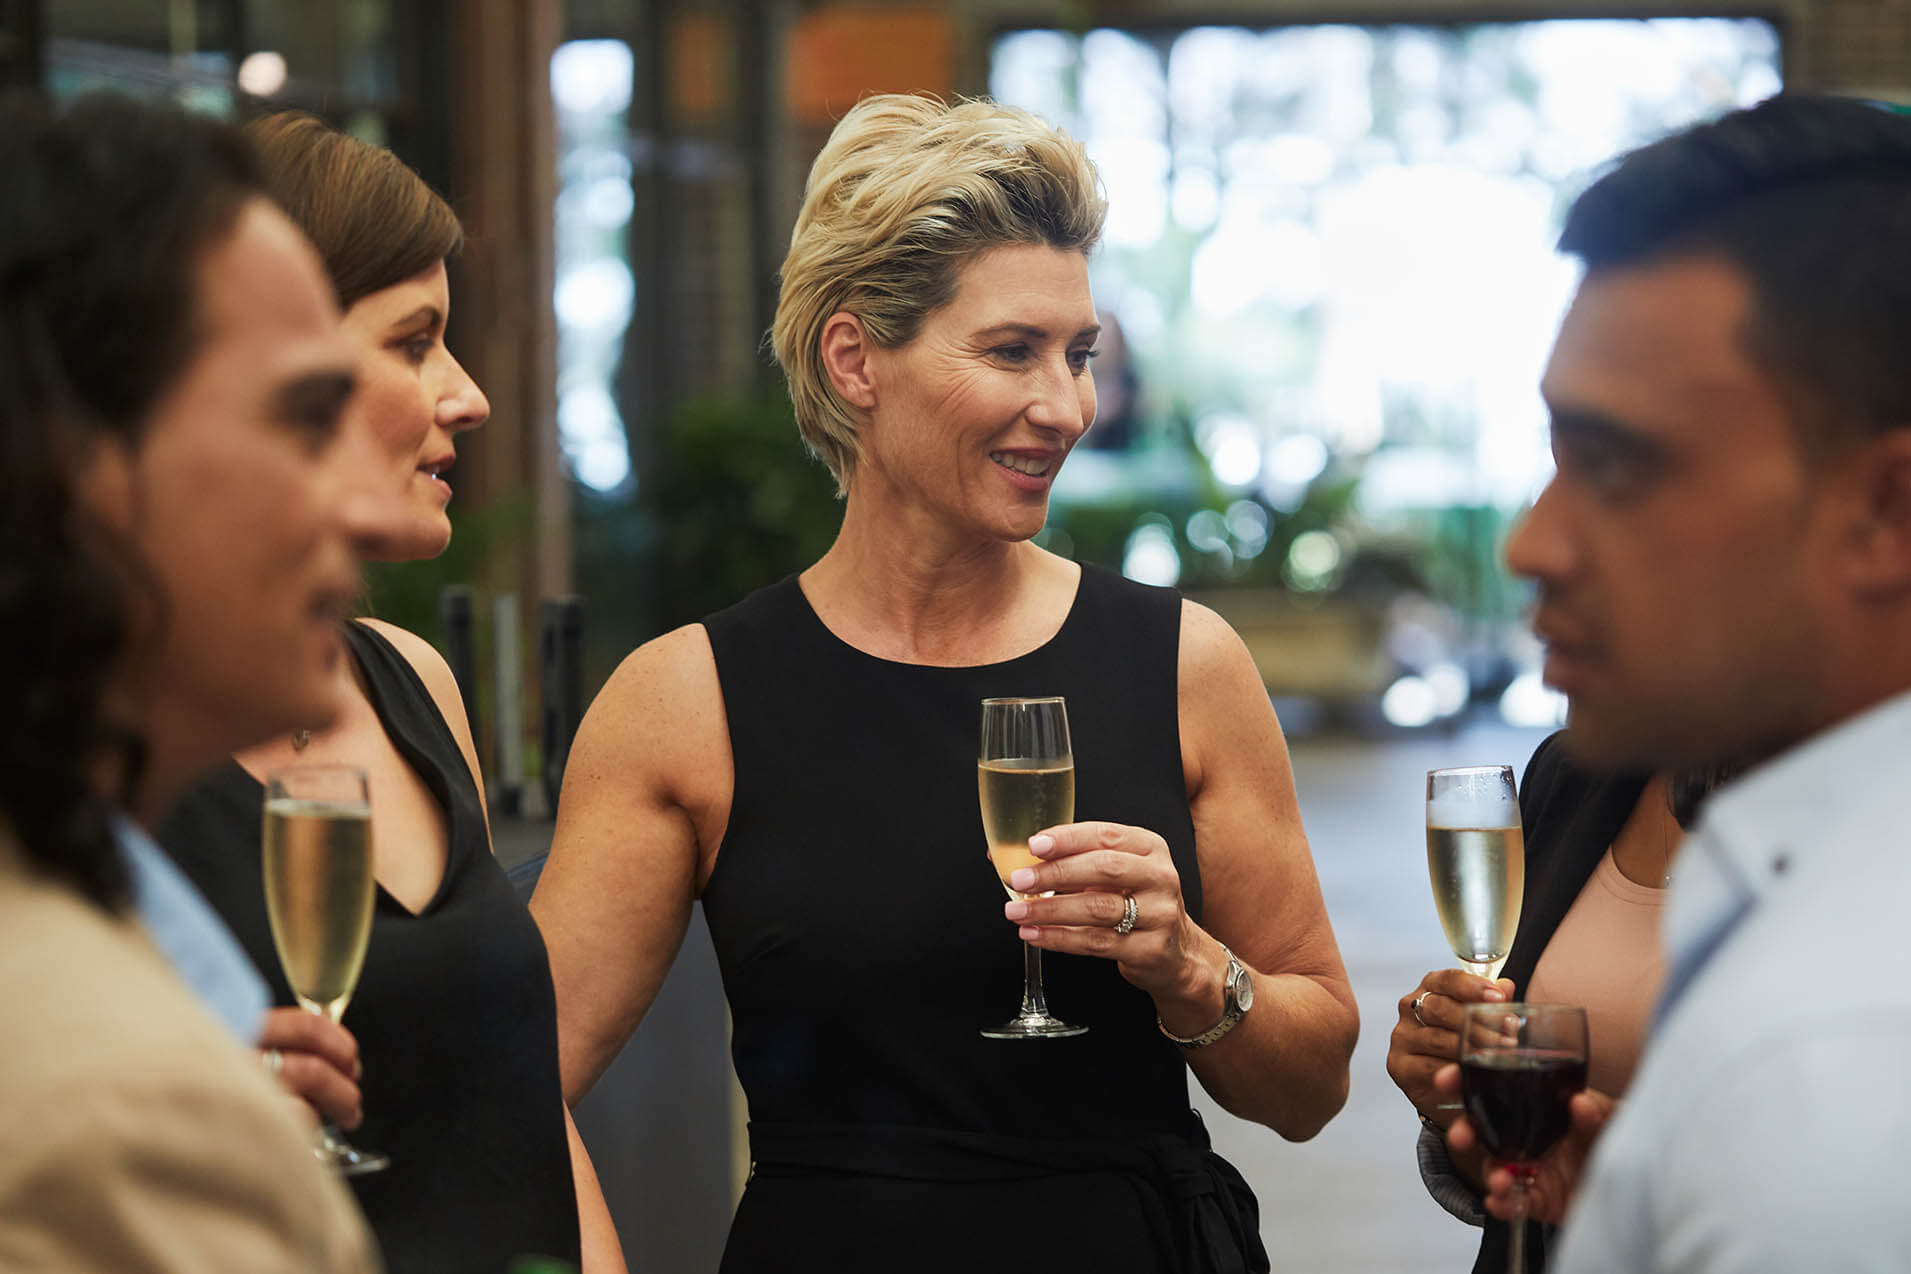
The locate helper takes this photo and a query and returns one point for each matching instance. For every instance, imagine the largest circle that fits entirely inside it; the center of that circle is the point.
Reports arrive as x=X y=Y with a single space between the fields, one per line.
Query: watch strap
x=1231 y=1012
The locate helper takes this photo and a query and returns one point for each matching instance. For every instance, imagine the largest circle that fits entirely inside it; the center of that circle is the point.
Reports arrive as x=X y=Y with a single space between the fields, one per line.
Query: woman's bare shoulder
x=672 y=673
x=1211 y=649
x=420 y=654
x=660 y=713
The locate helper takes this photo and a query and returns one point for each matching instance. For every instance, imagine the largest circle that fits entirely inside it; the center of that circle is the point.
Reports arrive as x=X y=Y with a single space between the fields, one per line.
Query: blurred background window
x=1329 y=284
x=591 y=84
x=375 y=68
x=340 y=58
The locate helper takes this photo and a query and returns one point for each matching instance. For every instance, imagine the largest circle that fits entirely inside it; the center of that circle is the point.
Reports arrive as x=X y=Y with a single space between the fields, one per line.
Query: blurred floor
x=1350 y=1201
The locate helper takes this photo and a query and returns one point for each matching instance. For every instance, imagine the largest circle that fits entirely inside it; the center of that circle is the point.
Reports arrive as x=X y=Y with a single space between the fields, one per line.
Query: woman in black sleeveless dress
x=454 y=1018
x=805 y=763
x=460 y=1089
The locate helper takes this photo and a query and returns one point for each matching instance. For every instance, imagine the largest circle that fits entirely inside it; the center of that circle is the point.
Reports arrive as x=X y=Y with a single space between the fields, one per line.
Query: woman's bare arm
x=646 y=793
x=1285 y=1064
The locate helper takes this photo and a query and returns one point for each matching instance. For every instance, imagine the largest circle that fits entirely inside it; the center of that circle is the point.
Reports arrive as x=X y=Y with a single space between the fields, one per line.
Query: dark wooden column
x=19 y=44
x=503 y=180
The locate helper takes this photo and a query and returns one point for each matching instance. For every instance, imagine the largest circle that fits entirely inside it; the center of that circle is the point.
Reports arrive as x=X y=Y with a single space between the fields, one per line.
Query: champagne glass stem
x=1516 y=1228
x=330 y=1144
x=1034 y=1002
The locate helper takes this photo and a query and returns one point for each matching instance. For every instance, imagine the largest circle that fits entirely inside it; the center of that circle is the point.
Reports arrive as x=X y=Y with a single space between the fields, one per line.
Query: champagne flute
x=1476 y=859
x=1520 y=1065
x=319 y=891
x=1026 y=776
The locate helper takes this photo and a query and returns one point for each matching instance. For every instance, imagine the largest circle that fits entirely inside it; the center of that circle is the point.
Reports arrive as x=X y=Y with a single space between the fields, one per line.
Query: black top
x=859 y=928
x=1570 y=817
x=455 y=1015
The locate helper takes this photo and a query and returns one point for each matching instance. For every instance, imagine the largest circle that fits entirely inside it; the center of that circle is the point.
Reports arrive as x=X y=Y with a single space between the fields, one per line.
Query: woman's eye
x=1011 y=353
x=417 y=349
x=1079 y=359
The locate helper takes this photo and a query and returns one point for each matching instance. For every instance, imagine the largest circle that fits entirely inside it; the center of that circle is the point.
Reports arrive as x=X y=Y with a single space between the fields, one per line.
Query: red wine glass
x=1520 y=1065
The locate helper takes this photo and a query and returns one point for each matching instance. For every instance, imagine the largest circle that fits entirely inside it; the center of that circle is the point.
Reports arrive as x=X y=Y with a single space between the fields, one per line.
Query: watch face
x=1244 y=992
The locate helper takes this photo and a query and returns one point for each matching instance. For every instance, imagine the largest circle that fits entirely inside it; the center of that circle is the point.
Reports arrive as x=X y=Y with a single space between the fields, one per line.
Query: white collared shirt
x=1768 y=1127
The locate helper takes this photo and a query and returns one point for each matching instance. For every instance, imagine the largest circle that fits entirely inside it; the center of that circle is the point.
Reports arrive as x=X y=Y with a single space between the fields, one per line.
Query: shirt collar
x=1791 y=814
x=190 y=934
x=1793 y=803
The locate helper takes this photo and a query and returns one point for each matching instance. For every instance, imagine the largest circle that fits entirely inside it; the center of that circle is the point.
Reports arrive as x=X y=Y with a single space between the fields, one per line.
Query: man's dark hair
x=1810 y=198
x=106 y=210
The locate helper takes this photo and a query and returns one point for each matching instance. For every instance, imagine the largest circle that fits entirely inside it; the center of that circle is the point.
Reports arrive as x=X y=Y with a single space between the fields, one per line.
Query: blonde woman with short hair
x=804 y=763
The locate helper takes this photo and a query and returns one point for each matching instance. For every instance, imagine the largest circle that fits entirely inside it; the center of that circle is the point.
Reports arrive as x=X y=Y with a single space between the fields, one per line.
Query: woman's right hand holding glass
x=316 y=1061
x=1427 y=1035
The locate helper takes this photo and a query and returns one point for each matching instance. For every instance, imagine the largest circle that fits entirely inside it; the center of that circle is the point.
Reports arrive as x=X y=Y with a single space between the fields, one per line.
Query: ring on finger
x=272 y=1060
x=1416 y=1008
x=1130 y=914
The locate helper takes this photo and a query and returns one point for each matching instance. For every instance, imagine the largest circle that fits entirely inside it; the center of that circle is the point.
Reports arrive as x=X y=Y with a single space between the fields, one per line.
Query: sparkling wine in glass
x=319 y=891
x=1520 y=1065
x=1025 y=774
x=1476 y=860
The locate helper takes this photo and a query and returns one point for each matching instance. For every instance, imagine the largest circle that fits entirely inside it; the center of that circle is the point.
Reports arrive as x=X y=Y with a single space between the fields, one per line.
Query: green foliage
x=1462 y=560
x=733 y=503
x=406 y=593
x=1166 y=483
x=610 y=568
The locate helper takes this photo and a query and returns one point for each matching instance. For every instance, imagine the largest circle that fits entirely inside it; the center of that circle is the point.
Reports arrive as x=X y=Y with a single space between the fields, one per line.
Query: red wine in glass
x=1520 y=1065
x=1520 y=1100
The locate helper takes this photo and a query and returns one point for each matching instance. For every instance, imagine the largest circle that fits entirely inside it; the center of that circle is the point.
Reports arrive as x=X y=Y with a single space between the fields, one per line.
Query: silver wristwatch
x=1237 y=997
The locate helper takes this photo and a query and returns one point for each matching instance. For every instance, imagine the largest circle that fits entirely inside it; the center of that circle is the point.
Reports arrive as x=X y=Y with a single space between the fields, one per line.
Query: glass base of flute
x=347 y=1159
x=319 y=894
x=1034 y=1022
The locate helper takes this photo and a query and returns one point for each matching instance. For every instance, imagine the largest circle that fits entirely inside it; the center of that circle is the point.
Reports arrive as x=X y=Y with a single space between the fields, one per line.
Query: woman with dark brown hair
x=171 y=376
x=454 y=1013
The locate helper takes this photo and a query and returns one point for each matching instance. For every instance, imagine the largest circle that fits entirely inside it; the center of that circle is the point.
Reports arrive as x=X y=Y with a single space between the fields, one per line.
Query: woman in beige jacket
x=181 y=494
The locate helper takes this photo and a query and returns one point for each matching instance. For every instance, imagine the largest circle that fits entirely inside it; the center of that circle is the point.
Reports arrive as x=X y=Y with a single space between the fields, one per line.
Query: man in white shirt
x=1724 y=571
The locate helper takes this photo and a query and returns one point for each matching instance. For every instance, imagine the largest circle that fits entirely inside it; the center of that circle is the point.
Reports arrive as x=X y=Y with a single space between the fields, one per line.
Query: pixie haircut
x=373 y=220
x=906 y=192
x=1809 y=197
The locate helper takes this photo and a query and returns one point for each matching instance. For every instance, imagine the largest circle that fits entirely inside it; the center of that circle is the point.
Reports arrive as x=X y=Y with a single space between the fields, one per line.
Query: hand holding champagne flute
x=1476 y=860
x=1025 y=774
x=319 y=891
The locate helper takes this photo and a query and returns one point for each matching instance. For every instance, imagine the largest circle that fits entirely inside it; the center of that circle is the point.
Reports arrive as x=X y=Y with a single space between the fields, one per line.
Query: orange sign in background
x=840 y=54
x=700 y=65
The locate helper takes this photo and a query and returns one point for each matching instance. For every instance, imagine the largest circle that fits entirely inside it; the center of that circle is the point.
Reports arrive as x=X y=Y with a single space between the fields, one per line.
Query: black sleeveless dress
x=455 y=1015
x=859 y=929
